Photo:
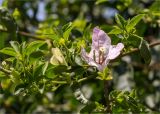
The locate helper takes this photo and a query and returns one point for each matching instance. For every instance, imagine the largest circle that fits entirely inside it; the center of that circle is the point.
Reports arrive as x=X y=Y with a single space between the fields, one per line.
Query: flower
x=101 y=50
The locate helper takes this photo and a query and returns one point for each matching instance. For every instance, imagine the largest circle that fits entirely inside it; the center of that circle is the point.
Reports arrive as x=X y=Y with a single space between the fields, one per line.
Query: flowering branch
x=155 y=43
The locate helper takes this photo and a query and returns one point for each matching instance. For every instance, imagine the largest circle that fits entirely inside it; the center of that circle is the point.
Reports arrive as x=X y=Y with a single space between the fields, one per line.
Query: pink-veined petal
x=94 y=54
x=89 y=60
x=84 y=54
x=114 y=51
x=100 y=39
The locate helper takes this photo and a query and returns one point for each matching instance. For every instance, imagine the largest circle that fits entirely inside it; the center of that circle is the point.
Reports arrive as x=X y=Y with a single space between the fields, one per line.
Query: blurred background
x=33 y=16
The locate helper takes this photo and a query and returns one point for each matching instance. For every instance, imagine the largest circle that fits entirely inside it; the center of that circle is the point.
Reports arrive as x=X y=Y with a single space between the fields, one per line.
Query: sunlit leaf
x=34 y=46
x=15 y=46
x=133 y=22
x=8 y=51
x=120 y=21
x=115 y=31
x=67 y=30
x=100 y=1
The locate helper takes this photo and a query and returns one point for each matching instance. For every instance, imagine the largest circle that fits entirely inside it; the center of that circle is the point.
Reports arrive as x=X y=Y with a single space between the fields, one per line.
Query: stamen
x=99 y=57
x=102 y=52
x=94 y=55
x=102 y=57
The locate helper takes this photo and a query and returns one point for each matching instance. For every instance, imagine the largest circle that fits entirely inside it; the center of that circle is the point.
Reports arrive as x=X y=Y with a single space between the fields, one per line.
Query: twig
x=26 y=34
x=31 y=35
x=155 y=43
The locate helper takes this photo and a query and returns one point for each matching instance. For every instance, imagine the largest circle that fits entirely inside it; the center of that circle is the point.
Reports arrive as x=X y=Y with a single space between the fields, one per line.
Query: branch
x=31 y=35
x=155 y=43
x=27 y=35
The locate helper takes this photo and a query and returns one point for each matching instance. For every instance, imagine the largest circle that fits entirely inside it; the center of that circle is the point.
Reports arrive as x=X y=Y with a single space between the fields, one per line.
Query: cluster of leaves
x=123 y=101
x=126 y=30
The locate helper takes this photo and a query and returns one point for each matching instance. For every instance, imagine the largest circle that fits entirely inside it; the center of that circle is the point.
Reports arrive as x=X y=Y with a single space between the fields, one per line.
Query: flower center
x=100 y=56
x=102 y=49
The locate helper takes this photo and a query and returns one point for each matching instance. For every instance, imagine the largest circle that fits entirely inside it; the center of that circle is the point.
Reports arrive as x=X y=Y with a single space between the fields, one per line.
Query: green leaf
x=38 y=70
x=134 y=40
x=105 y=75
x=100 y=1
x=155 y=6
x=115 y=31
x=54 y=71
x=34 y=46
x=88 y=108
x=5 y=3
x=145 y=51
x=67 y=30
x=133 y=22
x=120 y=21
x=15 y=46
x=7 y=20
x=45 y=66
x=8 y=51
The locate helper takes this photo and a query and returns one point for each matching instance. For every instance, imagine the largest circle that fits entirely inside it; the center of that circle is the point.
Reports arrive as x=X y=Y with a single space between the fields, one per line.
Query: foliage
x=41 y=69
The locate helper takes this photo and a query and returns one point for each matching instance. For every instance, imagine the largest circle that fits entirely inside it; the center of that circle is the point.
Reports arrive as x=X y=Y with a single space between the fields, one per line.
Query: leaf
x=115 y=31
x=35 y=56
x=105 y=75
x=5 y=3
x=120 y=21
x=100 y=1
x=145 y=51
x=45 y=66
x=15 y=46
x=20 y=89
x=67 y=30
x=88 y=108
x=155 y=6
x=134 y=40
x=7 y=20
x=8 y=51
x=34 y=46
x=133 y=22
x=53 y=71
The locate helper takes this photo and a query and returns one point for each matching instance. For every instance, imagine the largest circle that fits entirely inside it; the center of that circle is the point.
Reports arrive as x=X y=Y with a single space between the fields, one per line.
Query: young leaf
x=45 y=66
x=8 y=51
x=34 y=46
x=115 y=31
x=145 y=51
x=120 y=21
x=133 y=22
x=15 y=46
x=100 y=1
x=67 y=31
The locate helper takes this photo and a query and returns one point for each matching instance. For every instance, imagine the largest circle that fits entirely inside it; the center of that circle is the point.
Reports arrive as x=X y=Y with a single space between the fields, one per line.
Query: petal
x=84 y=54
x=94 y=54
x=114 y=51
x=89 y=60
x=100 y=39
